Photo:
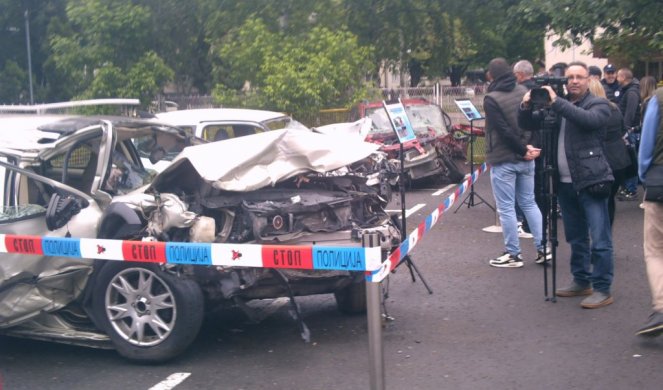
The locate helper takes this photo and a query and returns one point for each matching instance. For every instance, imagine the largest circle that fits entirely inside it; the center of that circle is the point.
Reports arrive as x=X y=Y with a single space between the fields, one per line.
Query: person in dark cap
x=511 y=155
x=595 y=72
x=610 y=83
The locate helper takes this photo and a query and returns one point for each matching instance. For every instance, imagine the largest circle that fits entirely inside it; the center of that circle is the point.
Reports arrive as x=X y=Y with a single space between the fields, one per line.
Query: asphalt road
x=482 y=328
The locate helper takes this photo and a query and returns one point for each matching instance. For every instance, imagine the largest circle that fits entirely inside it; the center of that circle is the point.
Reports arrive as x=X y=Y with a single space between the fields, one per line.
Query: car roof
x=24 y=132
x=190 y=117
x=37 y=132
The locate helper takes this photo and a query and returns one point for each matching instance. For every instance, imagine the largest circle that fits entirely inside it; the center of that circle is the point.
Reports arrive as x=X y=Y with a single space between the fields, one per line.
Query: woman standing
x=614 y=147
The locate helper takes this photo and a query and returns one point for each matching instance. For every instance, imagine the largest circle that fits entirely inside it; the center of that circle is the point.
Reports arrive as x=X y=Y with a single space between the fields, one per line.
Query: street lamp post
x=27 y=44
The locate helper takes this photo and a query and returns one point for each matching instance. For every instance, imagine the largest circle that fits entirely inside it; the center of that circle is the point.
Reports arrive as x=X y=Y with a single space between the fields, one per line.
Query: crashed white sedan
x=83 y=177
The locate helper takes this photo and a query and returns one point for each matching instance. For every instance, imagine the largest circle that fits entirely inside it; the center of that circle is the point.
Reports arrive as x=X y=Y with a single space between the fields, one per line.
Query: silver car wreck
x=276 y=188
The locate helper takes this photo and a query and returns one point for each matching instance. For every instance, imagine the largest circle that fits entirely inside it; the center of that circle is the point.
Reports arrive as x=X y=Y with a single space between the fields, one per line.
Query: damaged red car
x=437 y=153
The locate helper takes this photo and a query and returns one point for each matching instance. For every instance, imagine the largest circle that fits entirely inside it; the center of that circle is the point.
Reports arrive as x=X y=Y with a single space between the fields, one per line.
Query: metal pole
x=27 y=44
x=373 y=313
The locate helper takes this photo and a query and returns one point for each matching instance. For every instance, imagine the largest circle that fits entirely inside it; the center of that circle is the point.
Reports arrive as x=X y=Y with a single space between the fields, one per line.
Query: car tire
x=453 y=173
x=352 y=298
x=148 y=326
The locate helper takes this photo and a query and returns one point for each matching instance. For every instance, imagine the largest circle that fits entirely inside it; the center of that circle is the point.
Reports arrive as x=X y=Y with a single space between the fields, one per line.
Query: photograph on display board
x=399 y=121
x=468 y=109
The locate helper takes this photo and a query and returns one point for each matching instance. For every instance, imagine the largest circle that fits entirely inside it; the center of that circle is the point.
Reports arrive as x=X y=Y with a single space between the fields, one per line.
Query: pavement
x=494 y=328
x=482 y=328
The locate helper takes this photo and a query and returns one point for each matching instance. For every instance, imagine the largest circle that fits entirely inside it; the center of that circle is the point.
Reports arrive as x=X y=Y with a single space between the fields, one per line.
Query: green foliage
x=103 y=51
x=13 y=84
x=295 y=52
x=296 y=74
x=630 y=29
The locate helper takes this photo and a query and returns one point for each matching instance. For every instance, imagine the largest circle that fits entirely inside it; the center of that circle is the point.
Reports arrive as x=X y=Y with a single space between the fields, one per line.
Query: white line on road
x=172 y=381
x=443 y=190
x=410 y=211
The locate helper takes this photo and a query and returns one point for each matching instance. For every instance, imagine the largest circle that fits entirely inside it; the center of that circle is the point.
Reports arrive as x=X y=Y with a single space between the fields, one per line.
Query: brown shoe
x=574 y=290
x=596 y=300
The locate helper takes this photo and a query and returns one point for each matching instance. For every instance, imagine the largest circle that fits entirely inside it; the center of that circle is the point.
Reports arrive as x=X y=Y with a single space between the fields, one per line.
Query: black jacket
x=614 y=146
x=610 y=90
x=505 y=141
x=583 y=143
x=629 y=104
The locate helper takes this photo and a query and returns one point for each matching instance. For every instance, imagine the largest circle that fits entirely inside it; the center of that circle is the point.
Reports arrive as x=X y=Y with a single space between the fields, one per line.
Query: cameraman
x=583 y=182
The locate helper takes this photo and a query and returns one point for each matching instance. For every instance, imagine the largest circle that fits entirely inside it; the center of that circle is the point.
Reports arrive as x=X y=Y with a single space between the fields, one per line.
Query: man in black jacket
x=610 y=83
x=629 y=105
x=583 y=183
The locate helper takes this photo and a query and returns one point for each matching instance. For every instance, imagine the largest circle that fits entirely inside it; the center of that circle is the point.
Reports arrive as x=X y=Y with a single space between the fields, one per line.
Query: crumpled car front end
x=294 y=202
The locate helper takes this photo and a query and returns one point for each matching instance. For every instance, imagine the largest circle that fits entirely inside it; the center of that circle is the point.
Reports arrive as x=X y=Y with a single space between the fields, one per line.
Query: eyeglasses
x=579 y=78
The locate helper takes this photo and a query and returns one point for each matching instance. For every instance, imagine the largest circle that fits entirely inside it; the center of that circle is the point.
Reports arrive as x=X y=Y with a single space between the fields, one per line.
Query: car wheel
x=453 y=173
x=352 y=298
x=149 y=314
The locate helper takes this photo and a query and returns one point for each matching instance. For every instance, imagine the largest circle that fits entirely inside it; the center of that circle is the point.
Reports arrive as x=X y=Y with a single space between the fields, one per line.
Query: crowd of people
x=601 y=120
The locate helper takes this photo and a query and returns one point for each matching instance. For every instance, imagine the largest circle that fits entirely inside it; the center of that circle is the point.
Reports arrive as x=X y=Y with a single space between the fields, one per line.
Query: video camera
x=539 y=96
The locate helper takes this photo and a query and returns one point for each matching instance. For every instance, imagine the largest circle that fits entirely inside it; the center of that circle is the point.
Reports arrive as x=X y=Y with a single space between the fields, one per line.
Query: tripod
x=407 y=259
x=547 y=188
x=469 y=198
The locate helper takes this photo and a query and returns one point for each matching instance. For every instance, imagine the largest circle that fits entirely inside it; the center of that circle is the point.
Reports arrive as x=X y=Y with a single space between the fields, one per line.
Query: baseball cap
x=610 y=68
x=595 y=71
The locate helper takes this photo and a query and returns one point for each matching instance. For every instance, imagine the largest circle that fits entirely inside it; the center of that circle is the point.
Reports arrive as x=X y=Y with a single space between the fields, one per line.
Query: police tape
x=316 y=257
x=205 y=254
x=398 y=255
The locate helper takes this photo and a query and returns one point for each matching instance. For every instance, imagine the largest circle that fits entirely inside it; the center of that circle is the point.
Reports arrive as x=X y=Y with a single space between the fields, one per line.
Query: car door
x=34 y=283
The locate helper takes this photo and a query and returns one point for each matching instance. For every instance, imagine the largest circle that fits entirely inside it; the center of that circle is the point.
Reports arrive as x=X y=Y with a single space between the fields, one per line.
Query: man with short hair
x=610 y=83
x=524 y=72
x=524 y=76
x=629 y=105
x=583 y=178
x=511 y=156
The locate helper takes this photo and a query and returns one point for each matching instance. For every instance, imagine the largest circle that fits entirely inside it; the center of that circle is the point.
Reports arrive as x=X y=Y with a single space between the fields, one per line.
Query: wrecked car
x=435 y=151
x=216 y=124
x=83 y=177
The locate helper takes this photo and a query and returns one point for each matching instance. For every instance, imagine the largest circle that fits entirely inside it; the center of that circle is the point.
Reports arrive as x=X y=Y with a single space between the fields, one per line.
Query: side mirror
x=61 y=209
x=157 y=154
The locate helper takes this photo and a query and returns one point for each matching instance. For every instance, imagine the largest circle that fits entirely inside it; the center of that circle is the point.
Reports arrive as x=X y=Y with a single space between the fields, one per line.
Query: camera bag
x=654 y=184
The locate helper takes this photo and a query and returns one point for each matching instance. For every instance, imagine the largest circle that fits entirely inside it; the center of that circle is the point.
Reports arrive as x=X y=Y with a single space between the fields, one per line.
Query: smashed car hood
x=358 y=129
x=261 y=160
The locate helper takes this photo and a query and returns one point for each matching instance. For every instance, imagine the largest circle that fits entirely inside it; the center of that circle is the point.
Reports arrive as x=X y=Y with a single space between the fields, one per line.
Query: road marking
x=443 y=190
x=410 y=211
x=172 y=381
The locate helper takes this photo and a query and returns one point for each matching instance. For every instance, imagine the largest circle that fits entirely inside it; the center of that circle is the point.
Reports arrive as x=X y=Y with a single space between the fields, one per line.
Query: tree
x=299 y=74
x=102 y=46
x=629 y=29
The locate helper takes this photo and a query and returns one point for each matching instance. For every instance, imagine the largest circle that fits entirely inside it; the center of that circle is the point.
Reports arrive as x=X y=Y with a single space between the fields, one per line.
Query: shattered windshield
x=12 y=213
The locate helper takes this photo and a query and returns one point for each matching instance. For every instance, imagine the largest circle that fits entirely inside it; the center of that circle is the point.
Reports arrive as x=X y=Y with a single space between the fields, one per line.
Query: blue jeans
x=631 y=183
x=511 y=182
x=587 y=230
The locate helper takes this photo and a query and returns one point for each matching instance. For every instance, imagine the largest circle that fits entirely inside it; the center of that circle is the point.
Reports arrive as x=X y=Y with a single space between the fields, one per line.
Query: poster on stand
x=468 y=109
x=399 y=121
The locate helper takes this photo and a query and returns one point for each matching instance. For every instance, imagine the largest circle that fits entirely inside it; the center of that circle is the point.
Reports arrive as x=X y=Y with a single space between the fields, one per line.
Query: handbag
x=600 y=190
x=654 y=184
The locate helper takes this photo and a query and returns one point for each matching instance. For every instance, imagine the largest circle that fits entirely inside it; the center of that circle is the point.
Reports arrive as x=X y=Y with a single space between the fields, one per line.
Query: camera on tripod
x=539 y=97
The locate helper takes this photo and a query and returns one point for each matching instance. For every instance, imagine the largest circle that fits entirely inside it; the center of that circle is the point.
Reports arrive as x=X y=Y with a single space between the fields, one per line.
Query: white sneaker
x=522 y=233
x=507 y=260
x=540 y=258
